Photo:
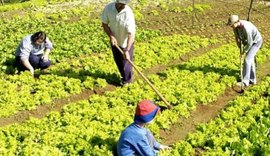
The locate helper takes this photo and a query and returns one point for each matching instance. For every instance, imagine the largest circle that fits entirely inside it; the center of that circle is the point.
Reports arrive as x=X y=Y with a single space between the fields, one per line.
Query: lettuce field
x=185 y=49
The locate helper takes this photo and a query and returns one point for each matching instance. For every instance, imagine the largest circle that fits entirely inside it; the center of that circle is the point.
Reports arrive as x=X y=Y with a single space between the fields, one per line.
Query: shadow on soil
x=10 y=66
x=205 y=113
x=208 y=69
x=111 y=78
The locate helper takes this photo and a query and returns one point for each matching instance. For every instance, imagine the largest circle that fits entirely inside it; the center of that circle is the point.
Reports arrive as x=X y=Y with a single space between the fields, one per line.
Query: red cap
x=146 y=111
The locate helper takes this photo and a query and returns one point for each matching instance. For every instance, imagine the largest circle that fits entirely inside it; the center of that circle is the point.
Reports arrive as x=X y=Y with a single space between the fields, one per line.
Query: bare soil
x=42 y=110
x=205 y=113
x=209 y=24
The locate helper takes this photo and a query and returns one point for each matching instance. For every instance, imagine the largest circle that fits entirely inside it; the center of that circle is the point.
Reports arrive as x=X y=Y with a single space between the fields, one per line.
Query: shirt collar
x=114 y=8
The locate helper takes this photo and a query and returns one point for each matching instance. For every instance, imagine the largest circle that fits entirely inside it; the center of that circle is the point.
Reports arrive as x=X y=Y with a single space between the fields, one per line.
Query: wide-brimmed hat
x=146 y=111
x=122 y=1
x=232 y=19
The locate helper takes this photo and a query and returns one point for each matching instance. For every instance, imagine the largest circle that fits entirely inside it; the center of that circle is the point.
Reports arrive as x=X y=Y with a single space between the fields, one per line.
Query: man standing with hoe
x=119 y=24
x=248 y=35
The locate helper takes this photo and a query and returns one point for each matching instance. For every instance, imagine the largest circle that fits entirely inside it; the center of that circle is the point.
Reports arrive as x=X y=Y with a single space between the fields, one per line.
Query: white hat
x=232 y=19
x=122 y=1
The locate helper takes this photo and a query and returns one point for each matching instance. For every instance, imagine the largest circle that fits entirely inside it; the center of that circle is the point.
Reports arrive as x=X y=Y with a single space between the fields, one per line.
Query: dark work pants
x=35 y=61
x=124 y=67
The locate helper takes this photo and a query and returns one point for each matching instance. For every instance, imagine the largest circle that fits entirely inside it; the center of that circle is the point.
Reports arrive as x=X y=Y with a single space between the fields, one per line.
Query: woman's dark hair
x=38 y=35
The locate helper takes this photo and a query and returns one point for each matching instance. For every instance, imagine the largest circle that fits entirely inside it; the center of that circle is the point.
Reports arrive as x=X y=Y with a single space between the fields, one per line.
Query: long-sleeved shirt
x=121 y=23
x=136 y=140
x=248 y=34
x=27 y=47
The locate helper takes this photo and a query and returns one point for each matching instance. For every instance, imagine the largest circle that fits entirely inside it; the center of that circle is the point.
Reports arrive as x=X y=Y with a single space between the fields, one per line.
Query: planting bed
x=77 y=107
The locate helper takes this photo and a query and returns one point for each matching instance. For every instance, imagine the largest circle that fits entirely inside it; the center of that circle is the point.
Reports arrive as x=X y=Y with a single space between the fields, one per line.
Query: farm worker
x=136 y=139
x=248 y=35
x=118 y=23
x=33 y=52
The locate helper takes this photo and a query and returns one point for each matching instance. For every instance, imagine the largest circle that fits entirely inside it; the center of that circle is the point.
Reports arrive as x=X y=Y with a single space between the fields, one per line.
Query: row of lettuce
x=241 y=129
x=81 y=56
x=74 y=31
x=72 y=76
x=70 y=40
x=92 y=127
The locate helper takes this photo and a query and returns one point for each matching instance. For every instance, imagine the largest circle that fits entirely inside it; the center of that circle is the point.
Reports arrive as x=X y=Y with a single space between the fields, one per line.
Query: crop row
x=92 y=127
x=71 y=76
x=241 y=129
x=70 y=40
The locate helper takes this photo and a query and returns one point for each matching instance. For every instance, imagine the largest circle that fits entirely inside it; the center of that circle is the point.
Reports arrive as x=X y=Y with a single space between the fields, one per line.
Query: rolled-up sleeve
x=48 y=44
x=131 y=27
x=104 y=18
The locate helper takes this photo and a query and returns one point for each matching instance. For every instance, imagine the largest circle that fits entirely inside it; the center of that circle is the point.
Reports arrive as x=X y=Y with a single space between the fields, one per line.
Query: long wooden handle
x=241 y=68
x=150 y=84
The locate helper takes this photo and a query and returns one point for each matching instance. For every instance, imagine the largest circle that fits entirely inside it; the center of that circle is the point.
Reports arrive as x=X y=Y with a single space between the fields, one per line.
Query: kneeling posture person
x=33 y=52
x=136 y=139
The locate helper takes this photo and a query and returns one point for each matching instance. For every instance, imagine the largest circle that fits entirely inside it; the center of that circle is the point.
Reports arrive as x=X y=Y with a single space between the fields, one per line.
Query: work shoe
x=123 y=83
x=241 y=84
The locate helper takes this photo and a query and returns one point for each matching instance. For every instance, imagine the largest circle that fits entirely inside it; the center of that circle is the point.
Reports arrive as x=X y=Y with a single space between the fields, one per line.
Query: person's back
x=136 y=139
x=133 y=141
x=248 y=33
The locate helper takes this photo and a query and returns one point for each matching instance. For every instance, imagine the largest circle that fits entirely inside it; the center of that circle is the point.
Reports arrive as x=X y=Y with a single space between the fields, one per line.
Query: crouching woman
x=33 y=52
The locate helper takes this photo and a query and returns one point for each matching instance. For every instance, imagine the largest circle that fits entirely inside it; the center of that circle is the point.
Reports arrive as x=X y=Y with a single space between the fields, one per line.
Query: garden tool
x=144 y=77
x=241 y=70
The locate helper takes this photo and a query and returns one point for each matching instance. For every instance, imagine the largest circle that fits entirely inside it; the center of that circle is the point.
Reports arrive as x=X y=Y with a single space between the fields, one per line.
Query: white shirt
x=120 y=23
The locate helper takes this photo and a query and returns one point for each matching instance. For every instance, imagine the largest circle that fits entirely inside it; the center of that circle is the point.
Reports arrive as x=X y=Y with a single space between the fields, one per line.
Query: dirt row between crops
x=57 y=105
x=205 y=113
x=202 y=114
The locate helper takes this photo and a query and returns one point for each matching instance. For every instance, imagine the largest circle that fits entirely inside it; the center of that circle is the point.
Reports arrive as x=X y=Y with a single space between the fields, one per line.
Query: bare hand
x=126 y=55
x=241 y=56
x=32 y=71
x=164 y=147
x=45 y=58
x=113 y=41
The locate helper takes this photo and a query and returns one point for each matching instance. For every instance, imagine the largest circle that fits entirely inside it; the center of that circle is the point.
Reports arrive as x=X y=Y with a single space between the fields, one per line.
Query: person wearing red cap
x=136 y=139
x=118 y=22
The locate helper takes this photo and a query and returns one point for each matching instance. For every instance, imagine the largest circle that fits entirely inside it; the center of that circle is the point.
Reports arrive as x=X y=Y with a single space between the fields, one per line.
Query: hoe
x=149 y=83
x=241 y=71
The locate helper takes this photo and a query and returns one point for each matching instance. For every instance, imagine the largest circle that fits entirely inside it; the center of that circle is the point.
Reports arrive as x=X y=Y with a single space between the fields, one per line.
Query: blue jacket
x=136 y=140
